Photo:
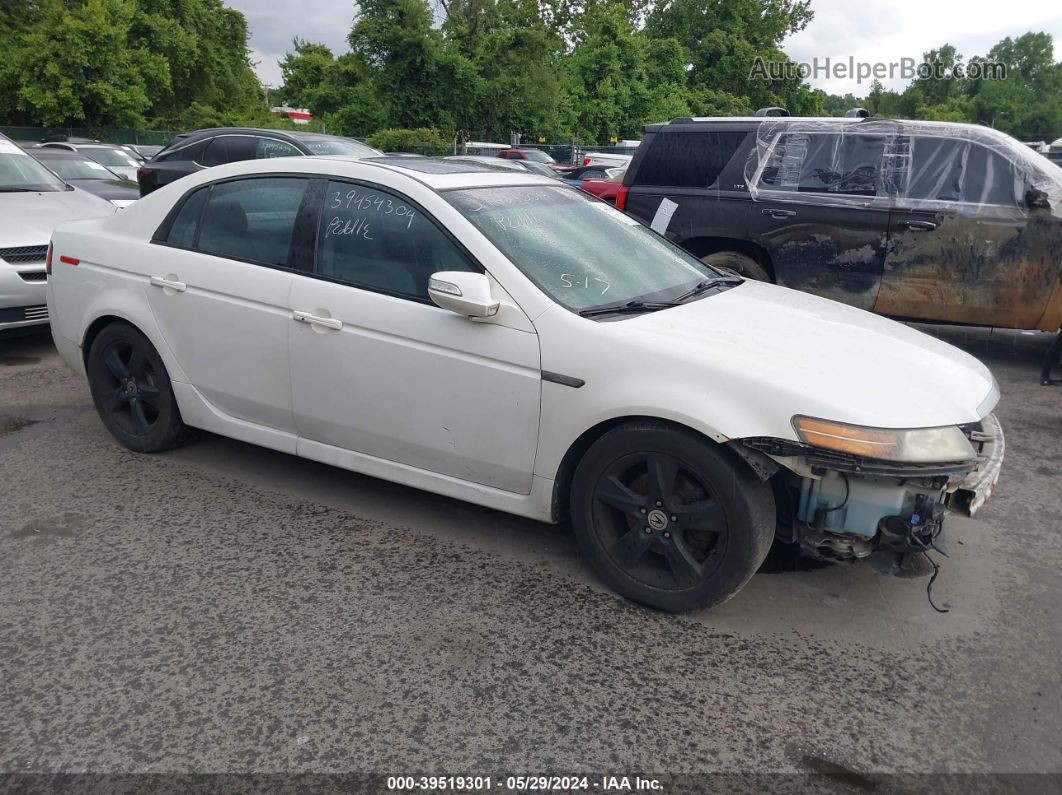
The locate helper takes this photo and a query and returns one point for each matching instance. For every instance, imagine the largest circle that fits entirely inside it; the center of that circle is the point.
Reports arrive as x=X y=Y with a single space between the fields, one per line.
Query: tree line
x=556 y=69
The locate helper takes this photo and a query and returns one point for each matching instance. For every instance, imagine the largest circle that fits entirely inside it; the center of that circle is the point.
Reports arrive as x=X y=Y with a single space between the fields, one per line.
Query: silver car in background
x=33 y=201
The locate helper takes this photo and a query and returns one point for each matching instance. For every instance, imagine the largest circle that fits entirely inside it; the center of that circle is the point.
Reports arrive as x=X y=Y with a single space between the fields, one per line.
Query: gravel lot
x=223 y=608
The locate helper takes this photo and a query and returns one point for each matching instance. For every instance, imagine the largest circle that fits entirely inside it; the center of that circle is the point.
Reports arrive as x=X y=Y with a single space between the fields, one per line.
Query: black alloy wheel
x=132 y=391
x=668 y=518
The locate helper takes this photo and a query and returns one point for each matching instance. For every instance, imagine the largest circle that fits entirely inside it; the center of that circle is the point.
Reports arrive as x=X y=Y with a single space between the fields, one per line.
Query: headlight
x=918 y=445
x=122 y=203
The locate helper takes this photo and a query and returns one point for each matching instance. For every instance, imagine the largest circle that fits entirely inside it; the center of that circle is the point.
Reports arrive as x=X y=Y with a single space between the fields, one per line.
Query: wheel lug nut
x=674 y=518
x=641 y=510
x=658 y=503
x=648 y=529
x=667 y=535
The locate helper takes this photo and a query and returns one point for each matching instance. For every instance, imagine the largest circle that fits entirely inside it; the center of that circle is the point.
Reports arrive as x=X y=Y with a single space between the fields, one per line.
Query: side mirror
x=463 y=292
x=1036 y=199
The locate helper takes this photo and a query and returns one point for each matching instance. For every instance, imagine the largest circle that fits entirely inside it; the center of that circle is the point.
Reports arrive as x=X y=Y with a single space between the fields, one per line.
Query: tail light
x=48 y=261
x=621 y=198
x=141 y=173
x=586 y=161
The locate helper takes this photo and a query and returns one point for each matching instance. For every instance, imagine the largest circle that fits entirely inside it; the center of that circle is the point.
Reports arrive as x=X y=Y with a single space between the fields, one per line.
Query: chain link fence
x=36 y=135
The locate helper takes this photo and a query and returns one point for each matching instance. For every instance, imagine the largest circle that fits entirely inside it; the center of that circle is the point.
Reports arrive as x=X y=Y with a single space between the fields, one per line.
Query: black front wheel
x=132 y=391
x=669 y=519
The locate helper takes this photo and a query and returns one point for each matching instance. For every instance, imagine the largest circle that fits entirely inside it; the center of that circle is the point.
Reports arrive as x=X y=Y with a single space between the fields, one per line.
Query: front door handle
x=168 y=284
x=775 y=213
x=317 y=320
x=918 y=226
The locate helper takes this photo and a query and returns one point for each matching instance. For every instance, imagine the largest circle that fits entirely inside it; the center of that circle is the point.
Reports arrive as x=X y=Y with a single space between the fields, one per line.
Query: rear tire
x=132 y=392
x=741 y=263
x=668 y=519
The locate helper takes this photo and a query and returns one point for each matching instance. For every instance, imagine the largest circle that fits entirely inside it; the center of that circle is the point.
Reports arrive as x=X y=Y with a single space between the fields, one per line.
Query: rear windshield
x=580 y=251
x=689 y=159
x=538 y=156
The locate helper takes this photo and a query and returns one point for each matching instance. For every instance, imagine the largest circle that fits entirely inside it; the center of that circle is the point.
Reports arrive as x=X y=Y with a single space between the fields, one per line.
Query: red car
x=611 y=190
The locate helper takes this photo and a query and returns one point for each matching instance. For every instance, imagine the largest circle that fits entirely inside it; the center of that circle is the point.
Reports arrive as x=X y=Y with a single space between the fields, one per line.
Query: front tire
x=132 y=392
x=668 y=519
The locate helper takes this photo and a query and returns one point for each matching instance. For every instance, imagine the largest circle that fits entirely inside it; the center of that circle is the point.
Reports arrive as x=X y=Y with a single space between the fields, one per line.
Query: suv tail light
x=621 y=198
x=48 y=261
x=586 y=161
x=141 y=173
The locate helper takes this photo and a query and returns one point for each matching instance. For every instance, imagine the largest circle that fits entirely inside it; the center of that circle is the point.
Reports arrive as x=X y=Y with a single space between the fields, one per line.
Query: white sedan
x=515 y=343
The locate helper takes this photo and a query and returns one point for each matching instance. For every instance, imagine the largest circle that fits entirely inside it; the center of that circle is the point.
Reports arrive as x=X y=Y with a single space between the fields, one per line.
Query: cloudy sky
x=871 y=31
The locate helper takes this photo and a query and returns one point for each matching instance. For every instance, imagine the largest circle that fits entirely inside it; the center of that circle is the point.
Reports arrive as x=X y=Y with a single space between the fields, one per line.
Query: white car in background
x=512 y=342
x=32 y=201
x=115 y=157
x=607 y=159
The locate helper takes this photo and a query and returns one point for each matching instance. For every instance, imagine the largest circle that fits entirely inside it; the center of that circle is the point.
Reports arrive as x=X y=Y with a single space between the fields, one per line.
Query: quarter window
x=183 y=229
x=688 y=159
x=252 y=219
x=374 y=239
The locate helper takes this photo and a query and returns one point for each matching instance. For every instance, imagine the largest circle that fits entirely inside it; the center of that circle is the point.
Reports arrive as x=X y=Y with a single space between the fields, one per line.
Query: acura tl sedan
x=506 y=340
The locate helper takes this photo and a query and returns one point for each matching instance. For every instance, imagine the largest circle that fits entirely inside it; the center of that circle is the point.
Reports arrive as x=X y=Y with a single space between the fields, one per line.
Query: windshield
x=538 y=156
x=20 y=172
x=77 y=168
x=338 y=146
x=111 y=157
x=580 y=251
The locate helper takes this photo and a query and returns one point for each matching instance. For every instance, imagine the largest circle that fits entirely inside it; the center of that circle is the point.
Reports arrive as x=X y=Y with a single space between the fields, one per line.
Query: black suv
x=201 y=149
x=919 y=220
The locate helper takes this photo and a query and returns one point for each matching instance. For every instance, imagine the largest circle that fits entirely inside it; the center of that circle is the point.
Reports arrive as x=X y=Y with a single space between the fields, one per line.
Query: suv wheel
x=744 y=265
x=132 y=391
x=668 y=519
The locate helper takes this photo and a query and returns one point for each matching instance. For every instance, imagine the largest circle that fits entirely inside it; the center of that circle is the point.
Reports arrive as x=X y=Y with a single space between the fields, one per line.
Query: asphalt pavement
x=227 y=609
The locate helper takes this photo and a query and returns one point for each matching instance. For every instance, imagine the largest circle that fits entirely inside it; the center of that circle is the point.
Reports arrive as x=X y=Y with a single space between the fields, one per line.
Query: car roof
x=437 y=174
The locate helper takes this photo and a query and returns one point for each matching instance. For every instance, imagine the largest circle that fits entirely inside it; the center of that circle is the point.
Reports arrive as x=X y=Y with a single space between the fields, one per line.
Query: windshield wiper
x=629 y=308
x=17 y=190
x=708 y=284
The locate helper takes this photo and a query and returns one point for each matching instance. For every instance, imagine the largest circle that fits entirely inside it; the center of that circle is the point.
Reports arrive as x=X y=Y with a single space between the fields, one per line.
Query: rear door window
x=186 y=224
x=252 y=219
x=835 y=163
x=229 y=149
x=688 y=159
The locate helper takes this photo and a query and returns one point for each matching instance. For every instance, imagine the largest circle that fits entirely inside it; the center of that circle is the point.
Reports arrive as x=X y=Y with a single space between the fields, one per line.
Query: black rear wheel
x=132 y=391
x=668 y=519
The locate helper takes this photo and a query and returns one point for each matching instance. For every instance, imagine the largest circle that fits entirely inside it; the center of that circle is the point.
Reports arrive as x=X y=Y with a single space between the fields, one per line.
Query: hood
x=787 y=352
x=27 y=219
x=121 y=189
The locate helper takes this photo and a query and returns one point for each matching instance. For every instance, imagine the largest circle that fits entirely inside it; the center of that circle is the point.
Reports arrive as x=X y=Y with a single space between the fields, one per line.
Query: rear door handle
x=168 y=284
x=317 y=320
x=775 y=213
x=918 y=226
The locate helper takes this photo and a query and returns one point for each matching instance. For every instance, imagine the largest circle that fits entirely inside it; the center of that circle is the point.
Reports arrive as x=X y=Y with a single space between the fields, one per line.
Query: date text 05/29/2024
x=522 y=783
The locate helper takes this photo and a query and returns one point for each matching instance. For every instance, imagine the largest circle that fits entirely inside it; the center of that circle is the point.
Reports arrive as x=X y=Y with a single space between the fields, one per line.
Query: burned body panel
x=997 y=269
x=974 y=234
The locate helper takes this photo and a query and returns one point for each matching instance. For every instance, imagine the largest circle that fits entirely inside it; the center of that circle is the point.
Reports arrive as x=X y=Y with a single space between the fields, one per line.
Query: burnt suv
x=915 y=220
x=194 y=151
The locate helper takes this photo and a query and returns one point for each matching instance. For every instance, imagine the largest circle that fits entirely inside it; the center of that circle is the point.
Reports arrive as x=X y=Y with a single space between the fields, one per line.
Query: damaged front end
x=840 y=505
